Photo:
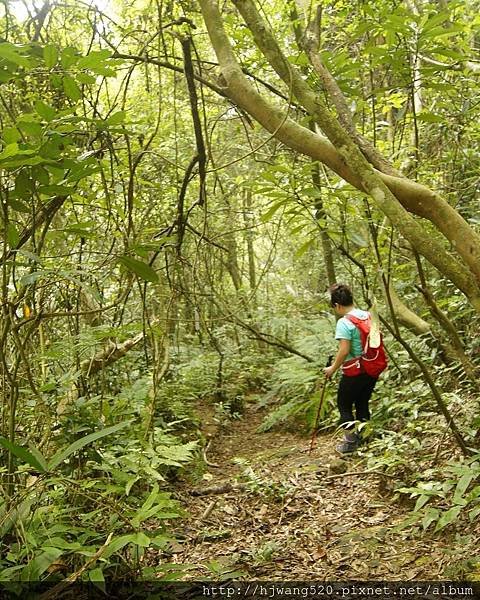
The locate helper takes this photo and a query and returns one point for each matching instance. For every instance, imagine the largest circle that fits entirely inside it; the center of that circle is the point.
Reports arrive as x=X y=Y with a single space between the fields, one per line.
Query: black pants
x=355 y=391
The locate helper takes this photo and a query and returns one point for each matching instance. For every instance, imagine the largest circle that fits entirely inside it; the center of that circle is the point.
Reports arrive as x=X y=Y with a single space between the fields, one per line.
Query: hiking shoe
x=347 y=447
x=350 y=444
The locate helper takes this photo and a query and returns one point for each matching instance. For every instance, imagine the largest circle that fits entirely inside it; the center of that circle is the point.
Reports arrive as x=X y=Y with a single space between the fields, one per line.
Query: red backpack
x=373 y=361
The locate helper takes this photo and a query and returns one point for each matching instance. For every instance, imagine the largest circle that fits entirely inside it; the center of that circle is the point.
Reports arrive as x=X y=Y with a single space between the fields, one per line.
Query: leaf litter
x=282 y=513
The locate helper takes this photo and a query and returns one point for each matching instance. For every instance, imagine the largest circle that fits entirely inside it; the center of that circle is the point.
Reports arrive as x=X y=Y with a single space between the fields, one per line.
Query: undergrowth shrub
x=294 y=384
x=414 y=444
x=206 y=375
x=100 y=481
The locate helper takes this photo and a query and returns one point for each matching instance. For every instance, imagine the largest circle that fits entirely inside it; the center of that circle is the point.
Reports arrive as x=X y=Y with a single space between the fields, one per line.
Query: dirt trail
x=295 y=516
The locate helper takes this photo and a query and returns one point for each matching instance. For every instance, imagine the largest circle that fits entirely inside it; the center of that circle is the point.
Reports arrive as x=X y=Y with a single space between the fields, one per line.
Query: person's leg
x=366 y=385
x=345 y=400
x=362 y=410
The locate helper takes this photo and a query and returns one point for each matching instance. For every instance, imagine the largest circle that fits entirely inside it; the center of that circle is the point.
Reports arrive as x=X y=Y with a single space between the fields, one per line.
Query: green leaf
x=431 y=515
x=304 y=248
x=13 y=237
x=97 y=578
x=86 y=78
x=436 y=32
x=68 y=57
x=473 y=514
x=140 y=539
x=105 y=71
x=421 y=501
x=56 y=190
x=18 y=206
x=45 y=111
x=130 y=483
x=140 y=268
x=357 y=239
x=18 y=513
x=5 y=75
x=12 y=54
x=94 y=60
x=71 y=88
x=29 y=255
x=35 y=459
x=83 y=229
x=10 y=150
x=30 y=278
x=160 y=541
x=23 y=184
x=40 y=564
x=56 y=81
x=80 y=171
x=462 y=486
x=449 y=53
x=38 y=456
x=430 y=21
x=151 y=498
x=60 y=542
x=272 y=210
x=41 y=175
x=153 y=473
x=176 y=454
x=473 y=494
x=117 y=118
x=448 y=517
x=33 y=128
x=10 y=135
x=62 y=455
x=154 y=506
x=428 y=117
x=7 y=574
x=50 y=56
x=117 y=544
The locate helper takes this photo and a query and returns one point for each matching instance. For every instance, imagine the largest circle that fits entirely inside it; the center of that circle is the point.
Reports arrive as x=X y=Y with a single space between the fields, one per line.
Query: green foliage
x=264 y=553
x=52 y=536
x=94 y=155
x=454 y=495
x=225 y=570
x=140 y=268
x=62 y=455
x=64 y=517
x=32 y=458
x=295 y=383
x=263 y=485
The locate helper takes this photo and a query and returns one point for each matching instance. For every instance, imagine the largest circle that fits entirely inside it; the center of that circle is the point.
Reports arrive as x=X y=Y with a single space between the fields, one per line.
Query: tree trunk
x=321 y=216
x=393 y=195
x=248 y=222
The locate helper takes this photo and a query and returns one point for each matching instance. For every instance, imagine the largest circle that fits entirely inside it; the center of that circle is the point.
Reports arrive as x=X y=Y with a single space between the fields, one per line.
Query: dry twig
x=57 y=589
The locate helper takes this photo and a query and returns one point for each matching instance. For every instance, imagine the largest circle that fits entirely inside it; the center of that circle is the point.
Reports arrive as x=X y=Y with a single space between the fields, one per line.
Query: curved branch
x=271 y=340
x=342 y=155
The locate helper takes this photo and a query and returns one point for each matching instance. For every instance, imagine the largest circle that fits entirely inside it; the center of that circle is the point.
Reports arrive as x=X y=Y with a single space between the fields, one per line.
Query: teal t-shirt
x=346 y=330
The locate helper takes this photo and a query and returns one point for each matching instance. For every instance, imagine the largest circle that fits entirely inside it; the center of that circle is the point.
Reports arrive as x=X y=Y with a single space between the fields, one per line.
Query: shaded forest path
x=292 y=515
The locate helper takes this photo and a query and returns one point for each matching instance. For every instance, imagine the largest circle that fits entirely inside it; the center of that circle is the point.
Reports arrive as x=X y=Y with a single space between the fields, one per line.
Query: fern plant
x=294 y=385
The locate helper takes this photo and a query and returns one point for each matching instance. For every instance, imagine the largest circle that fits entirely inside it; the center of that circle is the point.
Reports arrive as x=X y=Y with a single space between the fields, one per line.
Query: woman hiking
x=361 y=364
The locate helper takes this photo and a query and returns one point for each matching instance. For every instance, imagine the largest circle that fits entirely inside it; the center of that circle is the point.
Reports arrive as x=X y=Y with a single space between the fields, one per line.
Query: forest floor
x=287 y=514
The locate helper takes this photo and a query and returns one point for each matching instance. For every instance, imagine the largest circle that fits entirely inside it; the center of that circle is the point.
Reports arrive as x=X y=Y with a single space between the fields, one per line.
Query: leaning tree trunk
x=396 y=197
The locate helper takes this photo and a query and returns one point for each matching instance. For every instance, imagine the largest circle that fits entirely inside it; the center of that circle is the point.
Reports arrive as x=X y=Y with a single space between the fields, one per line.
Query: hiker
x=356 y=384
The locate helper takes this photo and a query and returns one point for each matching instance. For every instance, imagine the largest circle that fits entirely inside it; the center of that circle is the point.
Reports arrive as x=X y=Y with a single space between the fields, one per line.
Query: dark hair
x=341 y=294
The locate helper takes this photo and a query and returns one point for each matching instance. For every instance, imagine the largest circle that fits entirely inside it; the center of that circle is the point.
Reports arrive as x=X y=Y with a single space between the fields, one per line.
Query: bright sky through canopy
x=22 y=8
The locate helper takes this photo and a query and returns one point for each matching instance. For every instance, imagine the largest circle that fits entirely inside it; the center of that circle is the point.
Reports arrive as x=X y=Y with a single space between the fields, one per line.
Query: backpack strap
x=363 y=325
x=358 y=322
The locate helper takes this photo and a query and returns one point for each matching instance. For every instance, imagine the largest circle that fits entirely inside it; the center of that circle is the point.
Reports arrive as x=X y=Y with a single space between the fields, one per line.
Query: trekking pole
x=319 y=409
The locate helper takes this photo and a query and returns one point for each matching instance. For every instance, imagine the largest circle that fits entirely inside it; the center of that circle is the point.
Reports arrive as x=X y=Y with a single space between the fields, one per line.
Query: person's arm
x=343 y=352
